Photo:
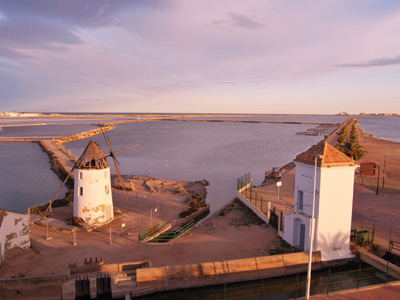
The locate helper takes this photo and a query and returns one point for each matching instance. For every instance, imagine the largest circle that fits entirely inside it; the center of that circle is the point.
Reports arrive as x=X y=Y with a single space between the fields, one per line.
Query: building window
x=107 y=189
x=80 y=191
x=105 y=174
x=80 y=175
x=300 y=199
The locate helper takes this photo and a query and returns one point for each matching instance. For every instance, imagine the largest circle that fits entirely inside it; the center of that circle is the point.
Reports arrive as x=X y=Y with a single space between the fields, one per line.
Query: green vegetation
x=348 y=142
x=196 y=202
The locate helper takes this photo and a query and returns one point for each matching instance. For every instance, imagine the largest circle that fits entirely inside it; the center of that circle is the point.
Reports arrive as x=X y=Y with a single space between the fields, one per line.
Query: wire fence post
x=110 y=236
x=329 y=280
x=390 y=237
x=262 y=286
x=225 y=290
x=373 y=234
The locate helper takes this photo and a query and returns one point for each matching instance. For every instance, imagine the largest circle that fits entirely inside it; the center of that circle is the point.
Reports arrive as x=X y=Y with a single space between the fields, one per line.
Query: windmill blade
x=118 y=152
x=116 y=166
x=55 y=196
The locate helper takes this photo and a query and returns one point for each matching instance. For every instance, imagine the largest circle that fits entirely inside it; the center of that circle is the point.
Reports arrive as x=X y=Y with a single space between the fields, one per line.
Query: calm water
x=25 y=177
x=219 y=152
x=287 y=287
x=387 y=128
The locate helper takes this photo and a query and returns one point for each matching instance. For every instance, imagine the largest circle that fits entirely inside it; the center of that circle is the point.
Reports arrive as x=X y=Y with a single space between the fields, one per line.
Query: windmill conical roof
x=93 y=157
x=330 y=156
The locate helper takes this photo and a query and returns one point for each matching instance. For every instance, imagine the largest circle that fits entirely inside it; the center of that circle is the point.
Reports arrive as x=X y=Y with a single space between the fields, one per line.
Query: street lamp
x=377 y=182
x=312 y=229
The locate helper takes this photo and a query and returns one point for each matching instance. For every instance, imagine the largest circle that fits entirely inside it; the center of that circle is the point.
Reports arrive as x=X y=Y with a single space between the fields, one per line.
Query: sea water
x=219 y=152
x=25 y=177
x=387 y=128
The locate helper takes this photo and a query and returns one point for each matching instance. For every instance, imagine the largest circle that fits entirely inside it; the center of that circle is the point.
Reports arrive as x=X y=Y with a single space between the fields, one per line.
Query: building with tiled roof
x=330 y=156
x=334 y=184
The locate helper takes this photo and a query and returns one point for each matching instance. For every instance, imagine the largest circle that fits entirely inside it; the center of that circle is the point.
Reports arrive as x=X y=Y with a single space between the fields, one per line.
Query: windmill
x=92 y=184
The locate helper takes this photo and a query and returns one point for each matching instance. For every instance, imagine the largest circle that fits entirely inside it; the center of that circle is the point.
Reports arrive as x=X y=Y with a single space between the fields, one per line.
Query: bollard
x=74 y=230
x=47 y=230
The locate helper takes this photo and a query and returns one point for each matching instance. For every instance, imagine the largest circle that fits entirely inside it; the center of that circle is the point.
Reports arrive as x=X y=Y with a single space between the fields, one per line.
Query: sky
x=200 y=56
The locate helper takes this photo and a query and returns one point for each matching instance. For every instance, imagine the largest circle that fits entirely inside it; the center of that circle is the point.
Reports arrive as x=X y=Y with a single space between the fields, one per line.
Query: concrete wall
x=379 y=263
x=95 y=204
x=14 y=233
x=252 y=207
x=213 y=273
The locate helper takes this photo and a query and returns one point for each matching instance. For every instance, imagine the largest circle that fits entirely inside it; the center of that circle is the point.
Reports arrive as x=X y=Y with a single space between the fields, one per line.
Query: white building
x=14 y=233
x=92 y=188
x=333 y=202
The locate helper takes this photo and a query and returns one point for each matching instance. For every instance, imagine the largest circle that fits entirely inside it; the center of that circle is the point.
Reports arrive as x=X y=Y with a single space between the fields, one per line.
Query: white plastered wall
x=14 y=233
x=93 y=195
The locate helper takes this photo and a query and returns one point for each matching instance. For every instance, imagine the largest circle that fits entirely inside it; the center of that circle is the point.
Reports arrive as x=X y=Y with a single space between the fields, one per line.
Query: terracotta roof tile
x=330 y=156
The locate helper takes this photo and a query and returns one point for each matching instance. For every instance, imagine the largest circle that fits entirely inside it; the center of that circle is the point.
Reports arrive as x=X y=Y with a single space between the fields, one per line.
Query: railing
x=170 y=236
x=150 y=231
x=274 y=215
x=243 y=181
x=394 y=246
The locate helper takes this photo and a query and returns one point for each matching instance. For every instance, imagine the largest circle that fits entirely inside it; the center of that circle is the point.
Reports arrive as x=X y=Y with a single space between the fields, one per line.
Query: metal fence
x=326 y=281
x=243 y=181
x=150 y=231
x=170 y=236
x=379 y=233
x=275 y=216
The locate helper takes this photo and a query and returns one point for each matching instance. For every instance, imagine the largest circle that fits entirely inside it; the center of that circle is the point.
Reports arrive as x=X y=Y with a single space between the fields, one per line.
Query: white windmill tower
x=92 y=185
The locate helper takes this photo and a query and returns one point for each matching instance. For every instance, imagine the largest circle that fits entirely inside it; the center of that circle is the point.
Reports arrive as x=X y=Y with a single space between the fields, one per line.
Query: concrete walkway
x=64 y=159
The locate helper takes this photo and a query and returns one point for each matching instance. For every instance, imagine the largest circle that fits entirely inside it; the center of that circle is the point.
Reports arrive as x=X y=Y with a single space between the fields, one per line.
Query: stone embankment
x=61 y=160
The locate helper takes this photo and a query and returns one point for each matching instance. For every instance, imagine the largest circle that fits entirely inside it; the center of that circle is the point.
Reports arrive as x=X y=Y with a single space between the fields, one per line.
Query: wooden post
x=110 y=236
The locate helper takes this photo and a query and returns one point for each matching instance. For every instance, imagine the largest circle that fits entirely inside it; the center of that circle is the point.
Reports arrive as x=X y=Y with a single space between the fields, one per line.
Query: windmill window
x=80 y=175
x=105 y=174
x=80 y=191
x=107 y=189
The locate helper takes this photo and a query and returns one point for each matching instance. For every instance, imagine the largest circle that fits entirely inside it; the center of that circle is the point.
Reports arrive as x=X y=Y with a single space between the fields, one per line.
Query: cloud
x=237 y=20
x=380 y=62
x=77 y=12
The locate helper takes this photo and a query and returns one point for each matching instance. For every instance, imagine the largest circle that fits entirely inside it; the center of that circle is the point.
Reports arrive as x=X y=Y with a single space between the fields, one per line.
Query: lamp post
x=377 y=182
x=312 y=229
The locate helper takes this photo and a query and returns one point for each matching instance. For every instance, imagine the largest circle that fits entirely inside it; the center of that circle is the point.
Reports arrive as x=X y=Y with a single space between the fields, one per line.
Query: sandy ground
x=383 y=209
x=220 y=237
x=229 y=234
